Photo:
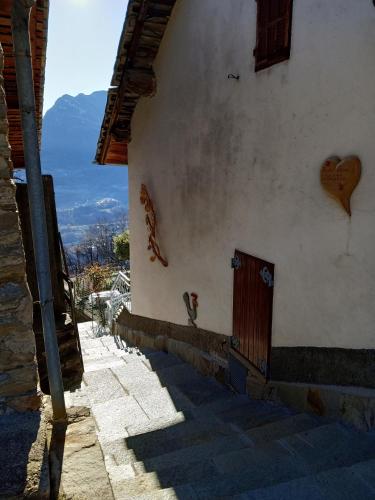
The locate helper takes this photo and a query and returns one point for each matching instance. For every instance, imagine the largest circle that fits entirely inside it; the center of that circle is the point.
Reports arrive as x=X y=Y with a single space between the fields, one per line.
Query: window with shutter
x=274 y=23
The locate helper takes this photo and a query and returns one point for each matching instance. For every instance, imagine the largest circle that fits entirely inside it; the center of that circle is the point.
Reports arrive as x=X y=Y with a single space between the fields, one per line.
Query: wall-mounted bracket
x=236 y=262
x=266 y=276
x=235 y=342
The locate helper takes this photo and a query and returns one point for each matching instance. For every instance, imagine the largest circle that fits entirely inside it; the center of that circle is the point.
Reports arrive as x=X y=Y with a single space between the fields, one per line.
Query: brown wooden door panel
x=252 y=309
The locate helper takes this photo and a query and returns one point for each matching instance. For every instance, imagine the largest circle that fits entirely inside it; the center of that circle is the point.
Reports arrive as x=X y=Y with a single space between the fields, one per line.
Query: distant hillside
x=70 y=132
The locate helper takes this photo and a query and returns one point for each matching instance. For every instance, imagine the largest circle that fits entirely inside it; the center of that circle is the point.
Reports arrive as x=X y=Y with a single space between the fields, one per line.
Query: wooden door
x=252 y=309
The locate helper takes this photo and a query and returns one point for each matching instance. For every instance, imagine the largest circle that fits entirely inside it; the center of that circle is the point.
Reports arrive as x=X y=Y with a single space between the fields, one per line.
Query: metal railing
x=120 y=296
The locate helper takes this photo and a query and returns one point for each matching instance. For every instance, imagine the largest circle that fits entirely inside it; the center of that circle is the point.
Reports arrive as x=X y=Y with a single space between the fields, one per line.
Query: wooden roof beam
x=133 y=77
x=122 y=88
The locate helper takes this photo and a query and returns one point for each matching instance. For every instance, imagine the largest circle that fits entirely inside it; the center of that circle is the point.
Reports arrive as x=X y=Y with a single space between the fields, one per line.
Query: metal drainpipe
x=22 y=49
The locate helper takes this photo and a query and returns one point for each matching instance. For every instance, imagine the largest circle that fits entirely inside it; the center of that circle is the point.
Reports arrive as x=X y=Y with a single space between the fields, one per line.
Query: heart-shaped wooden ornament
x=340 y=177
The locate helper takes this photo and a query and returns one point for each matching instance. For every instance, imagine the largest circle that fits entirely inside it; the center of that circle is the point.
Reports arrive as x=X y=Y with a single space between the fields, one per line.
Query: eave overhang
x=133 y=76
x=38 y=37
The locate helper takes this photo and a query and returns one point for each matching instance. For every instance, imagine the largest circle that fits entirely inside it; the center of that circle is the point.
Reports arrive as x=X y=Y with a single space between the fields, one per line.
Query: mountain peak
x=98 y=96
x=69 y=137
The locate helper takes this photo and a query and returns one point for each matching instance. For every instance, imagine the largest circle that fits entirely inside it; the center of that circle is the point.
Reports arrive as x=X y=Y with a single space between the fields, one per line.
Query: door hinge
x=235 y=342
x=263 y=367
x=236 y=262
x=266 y=276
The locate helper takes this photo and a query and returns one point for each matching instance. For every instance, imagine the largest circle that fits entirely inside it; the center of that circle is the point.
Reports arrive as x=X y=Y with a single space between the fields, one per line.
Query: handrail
x=120 y=296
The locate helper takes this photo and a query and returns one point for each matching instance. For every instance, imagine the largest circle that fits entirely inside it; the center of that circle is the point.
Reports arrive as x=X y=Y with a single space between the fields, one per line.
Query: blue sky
x=83 y=36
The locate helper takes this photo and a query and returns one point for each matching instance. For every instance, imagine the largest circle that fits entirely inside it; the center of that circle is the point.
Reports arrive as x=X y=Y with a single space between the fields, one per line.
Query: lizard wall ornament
x=191 y=309
x=151 y=226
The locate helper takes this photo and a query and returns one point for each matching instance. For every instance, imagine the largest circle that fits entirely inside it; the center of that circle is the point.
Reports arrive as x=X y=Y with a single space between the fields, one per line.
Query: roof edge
x=133 y=76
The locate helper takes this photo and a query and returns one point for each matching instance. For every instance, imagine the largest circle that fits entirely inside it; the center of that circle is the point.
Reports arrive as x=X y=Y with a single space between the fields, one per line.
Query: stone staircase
x=167 y=432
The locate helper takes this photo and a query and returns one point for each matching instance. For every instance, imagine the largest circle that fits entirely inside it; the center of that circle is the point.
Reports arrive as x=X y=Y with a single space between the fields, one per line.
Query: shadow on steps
x=221 y=444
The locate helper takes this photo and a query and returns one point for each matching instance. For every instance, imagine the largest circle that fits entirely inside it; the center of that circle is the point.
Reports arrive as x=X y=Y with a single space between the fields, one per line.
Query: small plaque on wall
x=340 y=177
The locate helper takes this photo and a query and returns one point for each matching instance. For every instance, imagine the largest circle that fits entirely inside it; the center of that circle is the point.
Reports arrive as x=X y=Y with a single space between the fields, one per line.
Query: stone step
x=269 y=464
x=224 y=486
x=89 y=343
x=175 y=476
x=282 y=428
x=115 y=416
x=104 y=352
x=133 y=356
x=111 y=341
x=195 y=453
x=134 y=373
x=125 y=355
x=344 y=484
x=160 y=360
x=158 y=423
x=366 y=470
x=177 y=437
x=251 y=407
x=110 y=361
x=181 y=401
x=188 y=388
x=203 y=477
x=185 y=492
x=229 y=401
x=257 y=418
x=176 y=434
x=327 y=447
x=179 y=374
x=323 y=435
x=147 y=389
x=304 y=488
x=102 y=386
x=333 y=484
x=145 y=381
x=331 y=446
x=233 y=406
x=117 y=450
x=158 y=402
x=76 y=398
x=287 y=481
x=262 y=456
x=201 y=391
x=189 y=433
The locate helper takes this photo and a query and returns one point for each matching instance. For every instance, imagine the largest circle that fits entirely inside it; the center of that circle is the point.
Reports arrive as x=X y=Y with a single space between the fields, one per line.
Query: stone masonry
x=18 y=369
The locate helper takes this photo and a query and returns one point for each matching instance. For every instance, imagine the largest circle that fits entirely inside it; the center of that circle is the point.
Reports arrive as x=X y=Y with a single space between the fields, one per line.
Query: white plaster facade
x=236 y=164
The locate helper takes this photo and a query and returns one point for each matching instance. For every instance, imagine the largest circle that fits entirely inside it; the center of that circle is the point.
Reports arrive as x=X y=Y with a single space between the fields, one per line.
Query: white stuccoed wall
x=236 y=165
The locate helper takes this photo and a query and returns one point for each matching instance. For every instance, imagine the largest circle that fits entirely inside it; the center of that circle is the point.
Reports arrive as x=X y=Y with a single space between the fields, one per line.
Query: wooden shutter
x=274 y=23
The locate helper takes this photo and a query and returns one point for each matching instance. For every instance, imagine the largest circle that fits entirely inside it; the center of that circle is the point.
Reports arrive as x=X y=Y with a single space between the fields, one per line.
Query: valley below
x=86 y=194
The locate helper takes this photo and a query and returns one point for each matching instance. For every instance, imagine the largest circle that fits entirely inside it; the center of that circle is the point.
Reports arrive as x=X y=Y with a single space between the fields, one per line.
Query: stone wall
x=206 y=351
x=18 y=370
x=209 y=352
